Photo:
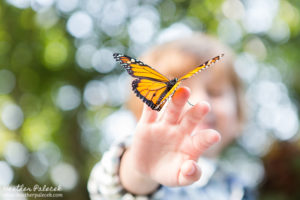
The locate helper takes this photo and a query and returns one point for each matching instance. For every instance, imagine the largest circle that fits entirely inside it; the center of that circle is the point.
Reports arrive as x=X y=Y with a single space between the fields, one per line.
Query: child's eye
x=215 y=92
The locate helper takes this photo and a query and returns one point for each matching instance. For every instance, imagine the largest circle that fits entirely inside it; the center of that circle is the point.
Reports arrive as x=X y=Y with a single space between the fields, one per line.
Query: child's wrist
x=132 y=179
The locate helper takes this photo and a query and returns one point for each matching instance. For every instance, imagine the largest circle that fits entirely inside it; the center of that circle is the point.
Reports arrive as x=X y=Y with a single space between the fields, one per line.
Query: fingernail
x=205 y=105
x=191 y=170
x=213 y=138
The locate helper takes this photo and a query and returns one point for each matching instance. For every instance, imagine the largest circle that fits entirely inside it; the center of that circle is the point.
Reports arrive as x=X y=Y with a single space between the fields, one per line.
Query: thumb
x=189 y=173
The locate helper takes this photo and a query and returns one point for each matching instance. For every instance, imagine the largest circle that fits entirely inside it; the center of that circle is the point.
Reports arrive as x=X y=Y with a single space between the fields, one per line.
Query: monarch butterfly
x=150 y=85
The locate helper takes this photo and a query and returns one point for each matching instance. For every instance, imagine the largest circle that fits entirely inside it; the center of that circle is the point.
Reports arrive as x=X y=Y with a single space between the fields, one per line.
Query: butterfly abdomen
x=171 y=83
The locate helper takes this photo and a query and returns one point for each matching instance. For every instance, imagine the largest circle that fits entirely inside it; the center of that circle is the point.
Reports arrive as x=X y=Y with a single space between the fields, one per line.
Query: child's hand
x=164 y=150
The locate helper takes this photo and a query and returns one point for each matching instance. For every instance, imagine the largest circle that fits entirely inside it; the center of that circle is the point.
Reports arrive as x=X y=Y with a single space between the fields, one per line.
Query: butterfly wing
x=172 y=90
x=151 y=92
x=201 y=67
x=138 y=69
x=168 y=95
x=149 y=85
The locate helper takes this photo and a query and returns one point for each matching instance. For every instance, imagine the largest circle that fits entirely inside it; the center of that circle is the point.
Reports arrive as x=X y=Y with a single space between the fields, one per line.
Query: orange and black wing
x=201 y=67
x=153 y=93
x=150 y=85
x=149 y=91
x=138 y=69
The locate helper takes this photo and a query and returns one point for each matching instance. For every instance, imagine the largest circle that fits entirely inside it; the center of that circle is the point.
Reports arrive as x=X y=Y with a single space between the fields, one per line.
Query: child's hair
x=178 y=57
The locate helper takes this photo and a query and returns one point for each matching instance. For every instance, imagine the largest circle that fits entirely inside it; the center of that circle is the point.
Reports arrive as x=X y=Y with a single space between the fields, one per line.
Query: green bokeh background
x=42 y=59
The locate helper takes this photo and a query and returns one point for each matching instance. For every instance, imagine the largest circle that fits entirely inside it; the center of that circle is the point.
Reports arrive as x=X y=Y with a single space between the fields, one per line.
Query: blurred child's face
x=215 y=87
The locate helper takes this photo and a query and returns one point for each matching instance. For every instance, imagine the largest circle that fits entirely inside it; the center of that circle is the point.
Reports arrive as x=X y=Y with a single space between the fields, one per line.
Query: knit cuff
x=104 y=181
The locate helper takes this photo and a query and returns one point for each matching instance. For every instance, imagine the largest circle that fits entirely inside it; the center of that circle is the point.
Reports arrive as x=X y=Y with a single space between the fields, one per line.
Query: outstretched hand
x=167 y=145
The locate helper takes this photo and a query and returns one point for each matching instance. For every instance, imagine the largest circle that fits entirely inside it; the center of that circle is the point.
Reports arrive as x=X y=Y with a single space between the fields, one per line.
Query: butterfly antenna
x=190 y=103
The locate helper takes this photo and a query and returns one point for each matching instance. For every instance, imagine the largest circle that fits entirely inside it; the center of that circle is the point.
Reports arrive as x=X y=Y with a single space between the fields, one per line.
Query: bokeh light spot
x=84 y=56
x=280 y=31
x=233 y=9
x=6 y=174
x=16 y=154
x=103 y=60
x=246 y=67
x=68 y=97
x=80 y=24
x=64 y=175
x=286 y=124
x=12 y=116
x=94 y=7
x=118 y=88
x=256 y=47
x=95 y=93
x=126 y=126
x=40 y=5
x=39 y=128
x=114 y=13
x=55 y=55
x=259 y=15
x=19 y=3
x=66 y=5
x=47 y=18
x=38 y=165
x=229 y=31
x=51 y=152
x=141 y=30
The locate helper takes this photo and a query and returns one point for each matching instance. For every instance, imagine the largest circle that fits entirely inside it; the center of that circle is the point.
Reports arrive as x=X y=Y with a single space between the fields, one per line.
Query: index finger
x=175 y=107
x=148 y=115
